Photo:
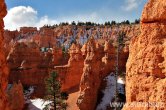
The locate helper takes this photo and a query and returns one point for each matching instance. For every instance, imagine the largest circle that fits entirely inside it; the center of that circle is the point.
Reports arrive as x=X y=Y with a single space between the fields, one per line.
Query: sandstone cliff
x=145 y=77
x=3 y=65
x=16 y=97
x=90 y=80
x=70 y=74
x=27 y=62
x=109 y=59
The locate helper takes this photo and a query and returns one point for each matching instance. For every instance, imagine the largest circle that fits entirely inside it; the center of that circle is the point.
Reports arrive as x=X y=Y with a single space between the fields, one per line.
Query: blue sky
x=55 y=11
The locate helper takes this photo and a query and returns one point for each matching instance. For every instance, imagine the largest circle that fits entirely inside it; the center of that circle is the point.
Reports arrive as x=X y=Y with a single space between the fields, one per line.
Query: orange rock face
x=3 y=65
x=25 y=30
x=59 y=57
x=16 y=97
x=145 y=80
x=109 y=59
x=47 y=38
x=9 y=37
x=70 y=74
x=27 y=62
x=90 y=80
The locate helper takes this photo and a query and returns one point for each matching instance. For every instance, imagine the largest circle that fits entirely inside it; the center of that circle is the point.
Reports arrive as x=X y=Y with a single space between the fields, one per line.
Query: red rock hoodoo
x=27 y=62
x=70 y=74
x=146 y=75
x=91 y=77
x=3 y=66
x=16 y=97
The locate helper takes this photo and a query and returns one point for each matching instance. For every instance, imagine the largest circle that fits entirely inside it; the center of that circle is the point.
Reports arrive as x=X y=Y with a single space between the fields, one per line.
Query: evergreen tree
x=127 y=22
x=80 y=23
x=53 y=93
x=107 y=23
x=120 y=44
x=73 y=23
x=137 y=21
x=113 y=22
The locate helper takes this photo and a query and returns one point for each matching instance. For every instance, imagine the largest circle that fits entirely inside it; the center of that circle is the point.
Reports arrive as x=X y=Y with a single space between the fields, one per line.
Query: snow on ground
x=27 y=94
x=37 y=104
x=121 y=88
x=34 y=104
x=109 y=91
x=120 y=81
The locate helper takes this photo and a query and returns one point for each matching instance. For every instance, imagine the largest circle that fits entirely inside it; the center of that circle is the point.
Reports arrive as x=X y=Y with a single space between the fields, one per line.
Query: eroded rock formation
x=47 y=38
x=146 y=77
x=70 y=74
x=29 y=65
x=16 y=97
x=26 y=62
x=59 y=56
x=3 y=66
x=90 y=80
x=110 y=57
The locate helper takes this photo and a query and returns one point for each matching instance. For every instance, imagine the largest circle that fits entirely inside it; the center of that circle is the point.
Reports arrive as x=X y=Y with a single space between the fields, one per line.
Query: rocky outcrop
x=27 y=62
x=47 y=38
x=3 y=66
x=60 y=57
x=99 y=62
x=110 y=57
x=24 y=56
x=9 y=37
x=27 y=58
x=70 y=74
x=90 y=80
x=28 y=30
x=16 y=97
x=146 y=77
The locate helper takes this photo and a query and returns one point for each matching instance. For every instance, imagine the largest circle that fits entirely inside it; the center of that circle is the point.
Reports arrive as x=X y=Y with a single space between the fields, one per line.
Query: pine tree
x=113 y=22
x=53 y=91
x=73 y=23
x=120 y=43
x=137 y=21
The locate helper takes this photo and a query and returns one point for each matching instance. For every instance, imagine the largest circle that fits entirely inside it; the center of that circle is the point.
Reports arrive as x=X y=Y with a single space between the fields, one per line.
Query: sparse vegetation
x=120 y=43
x=80 y=23
x=54 y=95
x=137 y=21
x=107 y=23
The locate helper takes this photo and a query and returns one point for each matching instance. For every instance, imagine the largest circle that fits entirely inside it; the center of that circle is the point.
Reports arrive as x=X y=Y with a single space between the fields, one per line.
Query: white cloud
x=25 y=16
x=45 y=20
x=131 y=4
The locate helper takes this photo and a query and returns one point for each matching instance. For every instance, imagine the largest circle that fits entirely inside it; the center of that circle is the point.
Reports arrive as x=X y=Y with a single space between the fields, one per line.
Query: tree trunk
x=54 y=101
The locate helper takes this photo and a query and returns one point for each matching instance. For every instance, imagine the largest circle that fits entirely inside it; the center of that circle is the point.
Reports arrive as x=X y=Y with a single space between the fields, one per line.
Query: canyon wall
x=27 y=62
x=110 y=57
x=99 y=62
x=3 y=66
x=29 y=65
x=16 y=97
x=91 y=77
x=146 y=72
x=70 y=74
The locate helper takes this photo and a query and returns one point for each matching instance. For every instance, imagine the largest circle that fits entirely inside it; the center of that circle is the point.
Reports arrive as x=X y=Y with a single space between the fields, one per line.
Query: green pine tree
x=53 y=93
x=119 y=46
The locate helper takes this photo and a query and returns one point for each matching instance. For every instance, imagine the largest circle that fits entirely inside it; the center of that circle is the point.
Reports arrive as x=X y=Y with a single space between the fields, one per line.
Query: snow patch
x=109 y=91
x=37 y=104
x=120 y=81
